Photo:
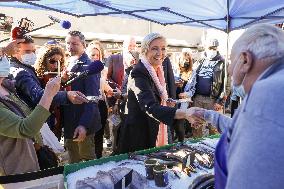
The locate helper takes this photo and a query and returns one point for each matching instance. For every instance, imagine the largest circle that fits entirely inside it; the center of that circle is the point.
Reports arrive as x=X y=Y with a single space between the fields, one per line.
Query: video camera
x=5 y=23
x=25 y=26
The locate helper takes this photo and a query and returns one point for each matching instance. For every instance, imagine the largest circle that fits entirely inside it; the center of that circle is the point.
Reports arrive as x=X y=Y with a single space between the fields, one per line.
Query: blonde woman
x=147 y=99
x=95 y=53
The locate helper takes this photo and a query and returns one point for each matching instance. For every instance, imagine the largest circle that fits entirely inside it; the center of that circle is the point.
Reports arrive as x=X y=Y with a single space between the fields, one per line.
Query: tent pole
x=149 y=27
x=227 y=51
x=226 y=70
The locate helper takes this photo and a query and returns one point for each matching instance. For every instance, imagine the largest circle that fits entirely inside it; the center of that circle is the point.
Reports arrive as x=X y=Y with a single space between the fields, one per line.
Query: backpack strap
x=12 y=106
x=200 y=62
x=9 y=85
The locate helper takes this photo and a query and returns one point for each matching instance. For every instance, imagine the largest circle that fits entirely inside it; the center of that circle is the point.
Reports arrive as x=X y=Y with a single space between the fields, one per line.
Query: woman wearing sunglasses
x=49 y=59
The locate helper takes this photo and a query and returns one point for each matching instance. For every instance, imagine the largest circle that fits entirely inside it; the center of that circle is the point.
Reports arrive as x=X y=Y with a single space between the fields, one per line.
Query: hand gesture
x=198 y=112
x=198 y=117
x=115 y=109
x=76 y=97
x=80 y=134
x=53 y=86
x=117 y=93
x=171 y=102
x=183 y=95
x=179 y=83
x=64 y=75
x=195 y=116
x=109 y=93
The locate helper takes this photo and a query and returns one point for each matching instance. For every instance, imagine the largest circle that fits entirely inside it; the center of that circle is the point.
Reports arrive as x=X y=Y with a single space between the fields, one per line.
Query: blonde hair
x=145 y=44
x=264 y=41
x=95 y=44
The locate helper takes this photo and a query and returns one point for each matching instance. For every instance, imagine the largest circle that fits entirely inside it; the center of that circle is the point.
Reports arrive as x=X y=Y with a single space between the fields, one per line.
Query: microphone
x=94 y=68
x=63 y=23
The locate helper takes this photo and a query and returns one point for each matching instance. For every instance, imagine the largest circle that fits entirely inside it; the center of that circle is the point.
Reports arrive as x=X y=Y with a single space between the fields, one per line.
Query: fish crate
x=71 y=168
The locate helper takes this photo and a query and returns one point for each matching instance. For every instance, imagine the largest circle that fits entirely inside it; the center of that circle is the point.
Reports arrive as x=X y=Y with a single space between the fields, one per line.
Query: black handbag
x=46 y=158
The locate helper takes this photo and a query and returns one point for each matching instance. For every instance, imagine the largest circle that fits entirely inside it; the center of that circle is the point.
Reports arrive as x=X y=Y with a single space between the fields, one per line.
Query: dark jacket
x=144 y=112
x=169 y=78
x=28 y=86
x=217 y=86
x=87 y=114
x=115 y=70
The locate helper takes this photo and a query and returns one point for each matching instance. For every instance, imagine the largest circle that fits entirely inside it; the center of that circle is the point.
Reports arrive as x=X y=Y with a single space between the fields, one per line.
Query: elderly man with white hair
x=118 y=62
x=250 y=152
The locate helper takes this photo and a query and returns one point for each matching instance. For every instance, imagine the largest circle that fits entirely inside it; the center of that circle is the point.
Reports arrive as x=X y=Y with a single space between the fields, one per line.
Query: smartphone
x=94 y=98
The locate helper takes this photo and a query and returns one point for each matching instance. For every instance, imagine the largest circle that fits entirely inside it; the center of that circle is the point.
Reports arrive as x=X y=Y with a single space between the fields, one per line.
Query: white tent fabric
x=225 y=15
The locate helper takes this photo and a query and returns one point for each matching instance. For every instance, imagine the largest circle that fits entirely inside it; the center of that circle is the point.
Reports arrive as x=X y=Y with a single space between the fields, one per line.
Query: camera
x=25 y=26
x=5 y=23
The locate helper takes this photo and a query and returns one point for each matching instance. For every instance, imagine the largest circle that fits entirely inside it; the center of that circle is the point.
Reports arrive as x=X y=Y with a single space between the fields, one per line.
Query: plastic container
x=149 y=165
x=161 y=175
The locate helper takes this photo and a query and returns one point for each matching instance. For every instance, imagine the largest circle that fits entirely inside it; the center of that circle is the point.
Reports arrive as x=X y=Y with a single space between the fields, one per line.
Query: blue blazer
x=86 y=114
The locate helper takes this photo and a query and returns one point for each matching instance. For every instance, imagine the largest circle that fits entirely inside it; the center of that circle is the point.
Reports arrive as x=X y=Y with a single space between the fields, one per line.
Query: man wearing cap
x=206 y=86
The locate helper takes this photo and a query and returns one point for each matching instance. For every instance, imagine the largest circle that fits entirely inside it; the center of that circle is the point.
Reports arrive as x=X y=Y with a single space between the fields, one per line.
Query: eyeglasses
x=52 y=61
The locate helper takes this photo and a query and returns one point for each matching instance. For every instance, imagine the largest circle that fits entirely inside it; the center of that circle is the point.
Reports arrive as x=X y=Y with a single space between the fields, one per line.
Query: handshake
x=194 y=115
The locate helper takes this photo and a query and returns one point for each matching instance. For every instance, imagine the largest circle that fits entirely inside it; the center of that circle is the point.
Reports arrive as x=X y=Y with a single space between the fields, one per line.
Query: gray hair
x=127 y=41
x=264 y=41
x=145 y=44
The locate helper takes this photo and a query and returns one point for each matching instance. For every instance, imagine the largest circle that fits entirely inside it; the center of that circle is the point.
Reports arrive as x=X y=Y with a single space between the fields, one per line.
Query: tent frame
x=227 y=18
x=114 y=11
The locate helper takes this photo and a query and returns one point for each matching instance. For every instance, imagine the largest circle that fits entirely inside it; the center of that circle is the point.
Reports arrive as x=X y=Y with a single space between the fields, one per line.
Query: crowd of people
x=142 y=102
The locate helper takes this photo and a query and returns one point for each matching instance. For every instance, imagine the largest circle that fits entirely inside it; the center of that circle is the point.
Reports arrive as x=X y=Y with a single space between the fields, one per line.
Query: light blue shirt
x=256 y=134
x=256 y=153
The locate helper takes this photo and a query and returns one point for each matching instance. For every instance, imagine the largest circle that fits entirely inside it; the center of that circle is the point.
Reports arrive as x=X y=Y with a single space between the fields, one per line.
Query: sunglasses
x=51 y=61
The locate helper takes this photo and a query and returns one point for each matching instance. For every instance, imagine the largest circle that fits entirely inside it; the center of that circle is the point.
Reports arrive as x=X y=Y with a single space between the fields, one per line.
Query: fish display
x=109 y=180
x=186 y=165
